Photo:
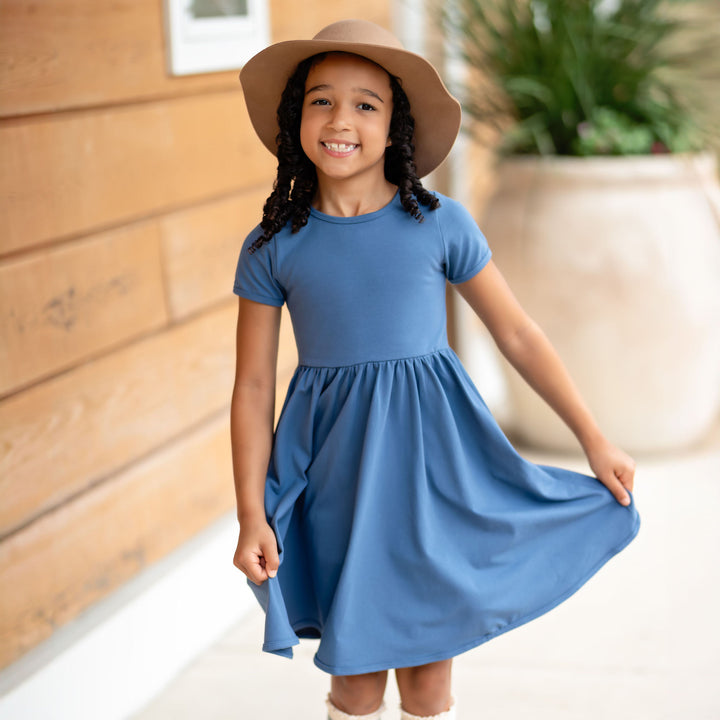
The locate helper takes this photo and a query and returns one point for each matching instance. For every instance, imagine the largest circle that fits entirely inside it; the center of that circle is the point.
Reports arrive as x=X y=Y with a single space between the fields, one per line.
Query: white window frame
x=202 y=45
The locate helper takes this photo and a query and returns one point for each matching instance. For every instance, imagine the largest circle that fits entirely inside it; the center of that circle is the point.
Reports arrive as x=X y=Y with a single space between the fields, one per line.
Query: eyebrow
x=364 y=91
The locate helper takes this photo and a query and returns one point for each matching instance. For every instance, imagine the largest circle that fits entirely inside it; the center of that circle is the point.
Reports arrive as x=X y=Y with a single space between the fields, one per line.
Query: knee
x=358 y=694
x=425 y=690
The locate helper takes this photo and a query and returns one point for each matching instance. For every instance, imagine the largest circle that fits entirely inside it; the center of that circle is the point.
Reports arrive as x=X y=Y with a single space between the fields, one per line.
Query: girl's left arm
x=527 y=348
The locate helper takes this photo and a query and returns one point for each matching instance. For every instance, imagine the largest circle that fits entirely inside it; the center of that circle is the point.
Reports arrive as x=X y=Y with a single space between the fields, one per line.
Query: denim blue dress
x=409 y=528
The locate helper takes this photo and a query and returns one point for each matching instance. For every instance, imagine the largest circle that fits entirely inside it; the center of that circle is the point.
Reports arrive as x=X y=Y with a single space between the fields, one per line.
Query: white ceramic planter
x=618 y=260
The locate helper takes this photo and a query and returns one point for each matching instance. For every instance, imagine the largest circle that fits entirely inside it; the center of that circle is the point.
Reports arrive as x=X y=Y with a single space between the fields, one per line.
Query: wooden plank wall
x=124 y=196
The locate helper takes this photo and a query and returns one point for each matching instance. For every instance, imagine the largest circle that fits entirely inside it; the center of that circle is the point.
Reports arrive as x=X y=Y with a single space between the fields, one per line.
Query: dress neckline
x=352 y=219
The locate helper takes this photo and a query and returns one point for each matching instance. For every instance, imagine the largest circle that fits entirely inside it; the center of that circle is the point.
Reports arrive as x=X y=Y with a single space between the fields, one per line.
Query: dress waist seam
x=323 y=366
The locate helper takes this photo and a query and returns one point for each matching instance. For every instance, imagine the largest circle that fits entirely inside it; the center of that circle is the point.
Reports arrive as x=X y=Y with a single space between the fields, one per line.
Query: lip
x=347 y=148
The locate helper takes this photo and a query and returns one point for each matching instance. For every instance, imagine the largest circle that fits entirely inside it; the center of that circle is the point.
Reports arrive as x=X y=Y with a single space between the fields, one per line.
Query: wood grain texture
x=60 y=54
x=80 y=553
x=291 y=20
x=63 y=435
x=60 y=306
x=67 y=175
x=201 y=246
x=59 y=437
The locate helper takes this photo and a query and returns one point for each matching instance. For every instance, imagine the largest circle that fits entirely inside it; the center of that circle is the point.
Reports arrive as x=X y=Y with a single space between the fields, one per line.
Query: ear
x=388 y=143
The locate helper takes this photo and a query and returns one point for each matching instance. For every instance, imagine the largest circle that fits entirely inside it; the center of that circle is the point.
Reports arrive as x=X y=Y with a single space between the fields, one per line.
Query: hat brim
x=436 y=112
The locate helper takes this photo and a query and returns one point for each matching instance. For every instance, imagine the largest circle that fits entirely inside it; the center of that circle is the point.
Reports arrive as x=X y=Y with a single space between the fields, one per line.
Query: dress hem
x=279 y=645
x=446 y=654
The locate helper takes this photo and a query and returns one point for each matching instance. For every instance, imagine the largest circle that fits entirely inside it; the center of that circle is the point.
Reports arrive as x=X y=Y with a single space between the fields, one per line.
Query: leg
x=358 y=694
x=425 y=690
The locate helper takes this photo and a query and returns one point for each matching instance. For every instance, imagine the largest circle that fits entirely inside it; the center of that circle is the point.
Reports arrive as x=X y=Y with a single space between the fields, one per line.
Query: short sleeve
x=466 y=249
x=255 y=277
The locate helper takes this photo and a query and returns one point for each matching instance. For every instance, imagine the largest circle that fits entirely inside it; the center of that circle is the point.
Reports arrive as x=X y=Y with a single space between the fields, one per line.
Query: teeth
x=339 y=147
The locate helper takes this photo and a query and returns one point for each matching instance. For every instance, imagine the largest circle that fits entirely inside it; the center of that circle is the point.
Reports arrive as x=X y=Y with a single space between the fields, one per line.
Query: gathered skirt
x=409 y=528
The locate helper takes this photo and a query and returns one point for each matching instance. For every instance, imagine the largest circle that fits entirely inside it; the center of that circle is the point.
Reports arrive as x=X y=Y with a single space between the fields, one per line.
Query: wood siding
x=125 y=194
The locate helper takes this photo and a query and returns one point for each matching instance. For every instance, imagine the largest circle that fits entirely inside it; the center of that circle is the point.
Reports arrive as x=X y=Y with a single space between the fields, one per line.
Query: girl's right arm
x=252 y=417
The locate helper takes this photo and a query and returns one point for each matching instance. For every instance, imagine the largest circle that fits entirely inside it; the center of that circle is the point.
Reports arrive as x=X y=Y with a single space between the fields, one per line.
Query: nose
x=340 y=118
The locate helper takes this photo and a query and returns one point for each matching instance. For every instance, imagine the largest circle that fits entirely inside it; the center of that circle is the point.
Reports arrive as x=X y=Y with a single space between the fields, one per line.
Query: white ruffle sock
x=336 y=714
x=447 y=715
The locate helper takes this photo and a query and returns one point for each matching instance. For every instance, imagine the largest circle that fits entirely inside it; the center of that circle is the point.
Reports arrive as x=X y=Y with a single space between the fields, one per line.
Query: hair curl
x=296 y=182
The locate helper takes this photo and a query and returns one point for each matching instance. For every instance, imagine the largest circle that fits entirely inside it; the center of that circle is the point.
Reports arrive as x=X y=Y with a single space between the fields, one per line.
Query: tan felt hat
x=436 y=112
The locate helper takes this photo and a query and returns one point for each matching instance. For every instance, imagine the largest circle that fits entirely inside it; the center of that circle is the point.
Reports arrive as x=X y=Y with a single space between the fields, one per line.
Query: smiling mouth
x=340 y=147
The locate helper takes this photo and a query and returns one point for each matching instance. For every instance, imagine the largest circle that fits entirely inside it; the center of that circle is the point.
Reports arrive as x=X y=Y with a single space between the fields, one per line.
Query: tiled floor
x=641 y=641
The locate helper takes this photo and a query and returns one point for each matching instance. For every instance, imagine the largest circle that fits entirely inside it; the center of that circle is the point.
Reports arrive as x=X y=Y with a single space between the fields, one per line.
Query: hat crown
x=358 y=31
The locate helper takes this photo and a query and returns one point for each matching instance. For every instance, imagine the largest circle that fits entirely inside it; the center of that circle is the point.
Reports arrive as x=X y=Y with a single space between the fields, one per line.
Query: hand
x=257 y=552
x=613 y=468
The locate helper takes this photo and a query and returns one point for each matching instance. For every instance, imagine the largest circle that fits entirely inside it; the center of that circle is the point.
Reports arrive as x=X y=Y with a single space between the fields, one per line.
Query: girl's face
x=346 y=119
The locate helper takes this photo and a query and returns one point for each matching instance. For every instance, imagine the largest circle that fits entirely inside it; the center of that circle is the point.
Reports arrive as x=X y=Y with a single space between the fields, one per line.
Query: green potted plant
x=603 y=217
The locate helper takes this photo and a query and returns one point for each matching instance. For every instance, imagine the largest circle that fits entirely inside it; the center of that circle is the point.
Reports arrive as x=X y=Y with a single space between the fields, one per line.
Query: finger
x=617 y=489
x=252 y=567
x=272 y=559
x=256 y=575
x=627 y=478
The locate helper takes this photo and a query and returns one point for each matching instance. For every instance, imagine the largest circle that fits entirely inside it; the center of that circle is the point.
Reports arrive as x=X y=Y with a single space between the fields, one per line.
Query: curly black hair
x=296 y=181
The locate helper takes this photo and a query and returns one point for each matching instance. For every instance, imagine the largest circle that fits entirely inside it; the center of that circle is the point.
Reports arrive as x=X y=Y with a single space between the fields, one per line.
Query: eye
x=320 y=101
x=366 y=106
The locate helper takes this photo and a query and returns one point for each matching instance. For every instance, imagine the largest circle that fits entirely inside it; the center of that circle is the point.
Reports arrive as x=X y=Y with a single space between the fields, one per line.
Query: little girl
x=388 y=515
